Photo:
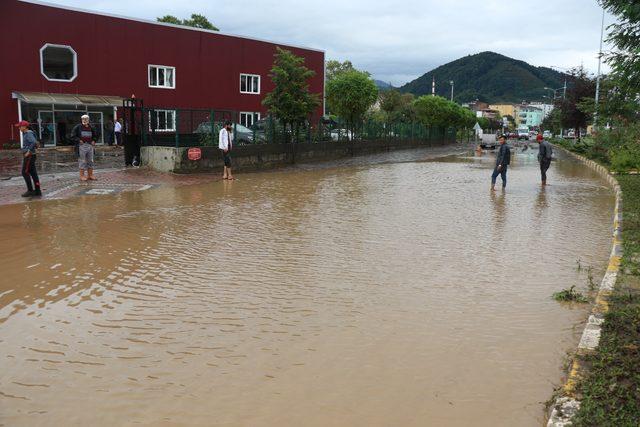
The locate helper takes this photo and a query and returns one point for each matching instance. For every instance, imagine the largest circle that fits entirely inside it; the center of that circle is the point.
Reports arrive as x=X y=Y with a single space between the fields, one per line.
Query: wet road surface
x=346 y=294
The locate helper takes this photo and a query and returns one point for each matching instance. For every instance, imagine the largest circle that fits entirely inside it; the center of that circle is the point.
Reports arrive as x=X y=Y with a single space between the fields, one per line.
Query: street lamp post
x=451 y=90
x=595 y=114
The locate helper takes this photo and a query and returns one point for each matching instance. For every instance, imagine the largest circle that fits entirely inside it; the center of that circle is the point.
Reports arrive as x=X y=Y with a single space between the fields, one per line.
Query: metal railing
x=196 y=127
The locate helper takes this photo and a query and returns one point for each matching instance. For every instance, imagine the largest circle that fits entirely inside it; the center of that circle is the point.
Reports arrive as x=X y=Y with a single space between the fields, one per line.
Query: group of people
x=503 y=159
x=84 y=135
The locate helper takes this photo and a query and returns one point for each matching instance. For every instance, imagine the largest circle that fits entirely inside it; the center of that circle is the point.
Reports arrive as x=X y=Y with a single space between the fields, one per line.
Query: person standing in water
x=225 y=143
x=503 y=159
x=545 y=153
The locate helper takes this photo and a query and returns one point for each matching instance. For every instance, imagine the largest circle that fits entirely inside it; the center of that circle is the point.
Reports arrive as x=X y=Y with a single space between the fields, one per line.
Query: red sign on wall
x=194 y=153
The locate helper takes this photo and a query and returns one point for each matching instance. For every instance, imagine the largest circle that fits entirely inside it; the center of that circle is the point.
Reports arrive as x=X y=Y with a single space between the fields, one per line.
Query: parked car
x=341 y=135
x=546 y=134
x=242 y=134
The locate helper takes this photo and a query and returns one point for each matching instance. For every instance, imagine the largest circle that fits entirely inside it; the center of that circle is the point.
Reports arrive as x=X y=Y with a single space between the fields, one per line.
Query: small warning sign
x=194 y=153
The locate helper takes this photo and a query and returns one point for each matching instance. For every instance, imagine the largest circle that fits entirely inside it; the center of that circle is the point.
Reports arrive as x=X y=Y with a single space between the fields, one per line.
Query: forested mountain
x=489 y=77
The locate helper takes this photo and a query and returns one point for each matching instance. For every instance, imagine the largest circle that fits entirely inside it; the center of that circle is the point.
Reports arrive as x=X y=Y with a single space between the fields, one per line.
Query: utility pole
x=595 y=114
x=433 y=86
x=451 y=90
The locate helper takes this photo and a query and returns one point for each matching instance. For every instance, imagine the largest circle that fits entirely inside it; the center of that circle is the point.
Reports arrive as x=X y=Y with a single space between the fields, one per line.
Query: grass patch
x=570 y=295
x=610 y=391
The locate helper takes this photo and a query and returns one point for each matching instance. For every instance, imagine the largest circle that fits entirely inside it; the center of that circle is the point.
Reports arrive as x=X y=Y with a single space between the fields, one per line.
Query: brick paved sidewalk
x=64 y=185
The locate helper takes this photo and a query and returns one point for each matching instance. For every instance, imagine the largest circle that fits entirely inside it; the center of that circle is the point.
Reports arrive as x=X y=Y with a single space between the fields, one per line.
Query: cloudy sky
x=399 y=41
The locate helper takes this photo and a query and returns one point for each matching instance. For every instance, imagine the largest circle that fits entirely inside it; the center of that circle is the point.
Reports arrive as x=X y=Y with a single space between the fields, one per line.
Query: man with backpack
x=85 y=136
x=545 y=153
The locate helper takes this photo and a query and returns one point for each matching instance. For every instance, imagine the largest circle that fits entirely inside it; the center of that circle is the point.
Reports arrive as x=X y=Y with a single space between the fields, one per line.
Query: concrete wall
x=268 y=156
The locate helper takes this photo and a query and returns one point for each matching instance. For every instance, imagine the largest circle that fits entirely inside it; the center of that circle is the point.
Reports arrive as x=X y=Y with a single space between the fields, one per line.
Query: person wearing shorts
x=85 y=136
x=225 y=144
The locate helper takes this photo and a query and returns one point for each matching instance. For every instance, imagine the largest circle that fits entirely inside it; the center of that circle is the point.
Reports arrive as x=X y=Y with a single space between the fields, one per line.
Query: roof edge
x=164 y=24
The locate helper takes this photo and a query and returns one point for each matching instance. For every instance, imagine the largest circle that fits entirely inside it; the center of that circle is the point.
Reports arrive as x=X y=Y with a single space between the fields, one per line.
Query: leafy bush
x=625 y=158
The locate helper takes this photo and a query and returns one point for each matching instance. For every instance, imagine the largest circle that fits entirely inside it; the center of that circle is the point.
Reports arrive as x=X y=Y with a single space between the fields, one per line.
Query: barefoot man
x=225 y=144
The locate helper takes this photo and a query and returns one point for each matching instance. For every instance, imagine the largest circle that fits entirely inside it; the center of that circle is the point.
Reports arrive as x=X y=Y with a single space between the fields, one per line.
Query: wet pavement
x=385 y=290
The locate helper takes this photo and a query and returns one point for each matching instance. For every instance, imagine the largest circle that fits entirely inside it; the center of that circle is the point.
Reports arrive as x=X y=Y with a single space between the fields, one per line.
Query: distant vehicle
x=242 y=134
x=523 y=133
x=546 y=134
x=341 y=135
x=571 y=134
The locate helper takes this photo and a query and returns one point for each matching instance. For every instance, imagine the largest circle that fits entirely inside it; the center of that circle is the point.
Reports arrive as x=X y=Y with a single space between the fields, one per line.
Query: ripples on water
x=387 y=294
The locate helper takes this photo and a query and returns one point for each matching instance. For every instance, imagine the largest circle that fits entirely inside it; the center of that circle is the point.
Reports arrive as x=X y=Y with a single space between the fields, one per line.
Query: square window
x=250 y=83
x=161 y=76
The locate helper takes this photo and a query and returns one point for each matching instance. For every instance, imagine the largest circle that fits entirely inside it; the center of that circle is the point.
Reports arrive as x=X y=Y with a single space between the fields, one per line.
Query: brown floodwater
x=394 y=292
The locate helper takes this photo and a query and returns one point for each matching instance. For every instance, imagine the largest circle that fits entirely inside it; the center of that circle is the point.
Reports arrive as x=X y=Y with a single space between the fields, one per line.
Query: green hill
x=489 y=77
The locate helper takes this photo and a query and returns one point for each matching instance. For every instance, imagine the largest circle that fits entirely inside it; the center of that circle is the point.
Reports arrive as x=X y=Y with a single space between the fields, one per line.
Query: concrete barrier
x=269 y=156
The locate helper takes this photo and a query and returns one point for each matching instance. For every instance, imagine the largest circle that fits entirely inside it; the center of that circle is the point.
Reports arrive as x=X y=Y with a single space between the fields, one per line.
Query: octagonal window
x=58 y=63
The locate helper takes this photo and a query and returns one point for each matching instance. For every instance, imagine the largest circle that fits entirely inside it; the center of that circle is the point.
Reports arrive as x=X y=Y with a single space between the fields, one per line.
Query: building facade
x=61 y=63
x=527 y=115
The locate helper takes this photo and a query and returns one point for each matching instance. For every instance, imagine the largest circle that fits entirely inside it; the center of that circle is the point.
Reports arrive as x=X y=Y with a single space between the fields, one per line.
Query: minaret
x=433 y=87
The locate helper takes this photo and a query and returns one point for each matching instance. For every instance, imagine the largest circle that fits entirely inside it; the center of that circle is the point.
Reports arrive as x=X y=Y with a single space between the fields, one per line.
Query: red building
x=59 y=63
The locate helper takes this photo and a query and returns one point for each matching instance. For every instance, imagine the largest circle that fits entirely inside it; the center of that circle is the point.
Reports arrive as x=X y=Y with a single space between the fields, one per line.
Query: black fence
x=198 y=128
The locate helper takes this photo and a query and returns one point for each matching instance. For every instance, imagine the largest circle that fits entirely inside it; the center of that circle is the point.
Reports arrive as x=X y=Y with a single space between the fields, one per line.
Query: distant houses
x=524 y=114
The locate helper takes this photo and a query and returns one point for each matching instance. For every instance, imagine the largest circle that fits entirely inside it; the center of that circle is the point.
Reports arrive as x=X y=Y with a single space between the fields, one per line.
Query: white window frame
x=173 y=124
x=250 y=76
x=255 y=116
x=164 y=67
x=75 y=62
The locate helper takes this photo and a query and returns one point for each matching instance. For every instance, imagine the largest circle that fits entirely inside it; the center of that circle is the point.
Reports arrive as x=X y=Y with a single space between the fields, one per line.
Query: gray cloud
x=399 y=41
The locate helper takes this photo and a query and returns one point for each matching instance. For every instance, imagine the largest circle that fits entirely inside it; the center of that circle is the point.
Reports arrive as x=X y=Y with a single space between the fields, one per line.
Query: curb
x=567 y=405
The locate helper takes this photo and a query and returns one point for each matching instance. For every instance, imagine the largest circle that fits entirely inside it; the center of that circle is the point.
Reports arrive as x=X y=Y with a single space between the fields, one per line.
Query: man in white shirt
x=118 y=131
x=225 y=144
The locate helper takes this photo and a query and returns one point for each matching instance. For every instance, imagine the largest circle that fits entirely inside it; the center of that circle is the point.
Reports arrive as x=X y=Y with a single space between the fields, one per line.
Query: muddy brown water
x=397 y=293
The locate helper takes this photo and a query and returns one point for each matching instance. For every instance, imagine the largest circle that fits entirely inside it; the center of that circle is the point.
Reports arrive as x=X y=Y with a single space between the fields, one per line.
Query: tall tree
x=625 y=36
x=350 y=94
x=290 y=102
x=196 y=21
x=334 y=68
x=581 y=88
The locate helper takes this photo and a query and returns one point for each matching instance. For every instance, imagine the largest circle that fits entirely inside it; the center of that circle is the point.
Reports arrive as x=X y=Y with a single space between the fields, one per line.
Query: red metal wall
x=113 y=55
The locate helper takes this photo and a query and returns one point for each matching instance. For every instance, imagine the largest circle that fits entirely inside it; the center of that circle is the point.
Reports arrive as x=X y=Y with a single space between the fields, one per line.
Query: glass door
x=96 y=119
x=46 y=128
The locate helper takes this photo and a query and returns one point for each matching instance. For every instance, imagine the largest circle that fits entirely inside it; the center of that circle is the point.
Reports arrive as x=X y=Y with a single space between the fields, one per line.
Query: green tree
x=625 y=36
x=390 y=101
x=436 y=111
x=350 y=94
x=581 y=88
x=291 y=102
x=196 y=21
x=334 y=68
x=170 y=19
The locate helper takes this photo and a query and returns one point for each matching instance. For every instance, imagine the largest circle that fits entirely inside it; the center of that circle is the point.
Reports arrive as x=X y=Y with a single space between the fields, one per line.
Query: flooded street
x=399 y=293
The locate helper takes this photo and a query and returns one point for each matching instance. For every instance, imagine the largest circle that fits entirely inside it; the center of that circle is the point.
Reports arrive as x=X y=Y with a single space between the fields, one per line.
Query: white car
x=546 y=134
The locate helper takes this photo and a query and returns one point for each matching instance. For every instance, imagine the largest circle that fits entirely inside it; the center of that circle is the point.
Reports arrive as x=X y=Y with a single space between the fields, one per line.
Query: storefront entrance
x=55 y=127
x=53 y=116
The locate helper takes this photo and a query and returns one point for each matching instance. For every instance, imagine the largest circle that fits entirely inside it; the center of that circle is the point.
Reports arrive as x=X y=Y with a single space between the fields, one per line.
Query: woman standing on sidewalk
x=29 y=145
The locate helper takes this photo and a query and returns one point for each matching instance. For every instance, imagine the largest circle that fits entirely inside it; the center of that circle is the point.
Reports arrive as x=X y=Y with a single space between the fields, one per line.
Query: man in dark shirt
x=545 y=153
x=29 y=145
x=503 y=159
x=85 y=135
